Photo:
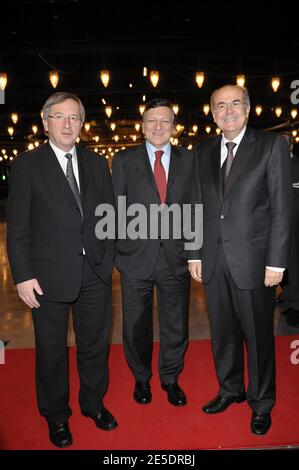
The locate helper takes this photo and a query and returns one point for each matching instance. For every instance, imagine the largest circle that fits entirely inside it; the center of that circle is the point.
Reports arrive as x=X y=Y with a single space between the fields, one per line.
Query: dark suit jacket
x=45 y=228
x=252 y=217
x=133 y=177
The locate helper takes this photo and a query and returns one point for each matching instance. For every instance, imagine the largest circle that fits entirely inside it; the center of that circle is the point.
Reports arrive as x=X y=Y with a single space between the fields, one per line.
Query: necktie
x=72 y=180
x=228 y=162
x=160 y=176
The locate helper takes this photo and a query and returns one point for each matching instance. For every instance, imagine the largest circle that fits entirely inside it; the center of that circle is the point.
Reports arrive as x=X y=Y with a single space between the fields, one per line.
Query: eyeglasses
x=61 y=117
x=234 y=105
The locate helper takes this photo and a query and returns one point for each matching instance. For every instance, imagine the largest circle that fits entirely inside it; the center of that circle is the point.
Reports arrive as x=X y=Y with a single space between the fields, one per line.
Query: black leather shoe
x=260 y=423
x=60 y=434
x=175 y=394
x=292 y=317
x=220 y=404
x=103 y=419
x=142 y=392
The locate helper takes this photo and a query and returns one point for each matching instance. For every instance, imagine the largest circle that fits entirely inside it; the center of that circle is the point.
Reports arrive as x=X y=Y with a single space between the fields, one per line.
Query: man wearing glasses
x=245 y=185
x=57 y=262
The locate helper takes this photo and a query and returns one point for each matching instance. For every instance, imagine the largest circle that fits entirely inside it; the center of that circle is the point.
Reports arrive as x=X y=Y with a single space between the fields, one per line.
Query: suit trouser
x=172 y=304
x=236 y=315
x=91 y=322
x=290 y=283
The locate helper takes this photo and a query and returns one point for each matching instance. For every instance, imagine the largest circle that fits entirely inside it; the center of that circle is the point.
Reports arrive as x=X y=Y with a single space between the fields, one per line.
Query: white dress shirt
x=60 y=154
x=165 y=159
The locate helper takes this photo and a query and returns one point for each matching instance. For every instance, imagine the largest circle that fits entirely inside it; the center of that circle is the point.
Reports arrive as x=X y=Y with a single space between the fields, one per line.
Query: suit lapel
x=241 y=158
x=83 y=173
x=142 y=160
x=55 y=173
x=216 y=166
x=175 y=167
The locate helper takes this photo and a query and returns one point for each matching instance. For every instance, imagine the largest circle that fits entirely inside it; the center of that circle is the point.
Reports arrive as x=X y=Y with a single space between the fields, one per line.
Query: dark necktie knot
x=230 y=146
x=159 y=154
x=68 y=156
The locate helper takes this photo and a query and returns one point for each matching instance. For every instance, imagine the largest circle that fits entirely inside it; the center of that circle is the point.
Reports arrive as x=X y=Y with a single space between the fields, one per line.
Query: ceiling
x=79 y=38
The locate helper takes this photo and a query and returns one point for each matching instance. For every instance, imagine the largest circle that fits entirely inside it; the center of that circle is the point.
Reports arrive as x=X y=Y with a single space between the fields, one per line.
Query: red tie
x=160 y=175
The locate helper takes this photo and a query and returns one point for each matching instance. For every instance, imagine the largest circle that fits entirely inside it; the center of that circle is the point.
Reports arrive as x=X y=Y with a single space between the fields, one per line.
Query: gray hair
x=60 y=97
x=242 y=88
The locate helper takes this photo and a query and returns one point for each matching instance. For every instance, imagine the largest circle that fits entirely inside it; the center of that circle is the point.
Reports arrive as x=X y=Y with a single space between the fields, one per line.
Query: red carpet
x=155 y=426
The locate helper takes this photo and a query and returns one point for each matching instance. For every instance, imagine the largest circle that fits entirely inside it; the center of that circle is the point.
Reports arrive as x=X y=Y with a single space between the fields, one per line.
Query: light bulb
x=199 y=78
x=105 y=77
x=54 y=78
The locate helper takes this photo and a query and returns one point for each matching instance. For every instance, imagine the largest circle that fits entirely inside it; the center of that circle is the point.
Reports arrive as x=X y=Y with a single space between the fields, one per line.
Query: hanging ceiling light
x=240 y=79
x=108 y=111
x=34 y=129
x=10 y=130
x=144 y=71
x=175 y=108
x=195 y=128
x=199 y=78
x=206 y=109
x=105 y=77
x=137 y=126
x=3 y=81
x=294 y=133
x=87 y=126
x=14 y=117
x=275 y=82
x=258 y=109
x=141 y=108
x=208 y=129
x=278 y=111
x=294 y=113
x=154 y=77
x=54 y=78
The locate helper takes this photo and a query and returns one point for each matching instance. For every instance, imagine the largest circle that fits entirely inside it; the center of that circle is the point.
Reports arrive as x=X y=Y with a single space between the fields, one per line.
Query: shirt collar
x=61 y=153
x=237 y=139
x=152 y=149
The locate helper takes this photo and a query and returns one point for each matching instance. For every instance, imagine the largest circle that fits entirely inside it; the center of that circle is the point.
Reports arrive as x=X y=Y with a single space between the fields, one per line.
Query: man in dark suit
x=57 y=262
x=154 y=173
x=290 y=282
x=245 y=185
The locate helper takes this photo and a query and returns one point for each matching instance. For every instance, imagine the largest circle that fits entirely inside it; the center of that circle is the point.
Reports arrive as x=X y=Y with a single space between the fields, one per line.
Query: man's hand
x=26 y=292
x=195 y=270
x=272 y=278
